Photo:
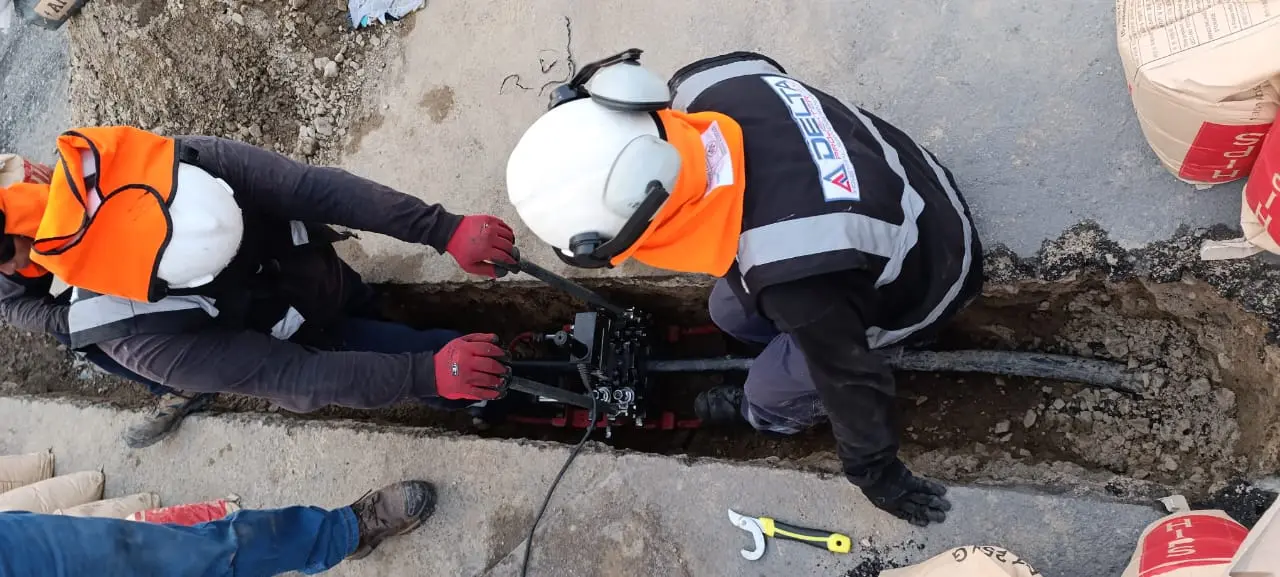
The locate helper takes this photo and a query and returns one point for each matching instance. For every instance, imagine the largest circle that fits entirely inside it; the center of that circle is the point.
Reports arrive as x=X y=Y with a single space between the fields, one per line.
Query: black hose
x=1093 y=372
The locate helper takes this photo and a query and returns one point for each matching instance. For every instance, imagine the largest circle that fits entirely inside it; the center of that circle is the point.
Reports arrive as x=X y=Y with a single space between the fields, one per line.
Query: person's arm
x=25 y=303
x=292 y=190
x=297 y=378
x=825 y=316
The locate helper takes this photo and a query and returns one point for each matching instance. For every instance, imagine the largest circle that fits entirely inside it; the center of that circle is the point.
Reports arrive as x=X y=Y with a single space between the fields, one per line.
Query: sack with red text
x=1187 y=544
x=968 y=562
x=1258 y=210
x=1259 y=204
x=1204 y=78
x=15 y=169
x=189 y=514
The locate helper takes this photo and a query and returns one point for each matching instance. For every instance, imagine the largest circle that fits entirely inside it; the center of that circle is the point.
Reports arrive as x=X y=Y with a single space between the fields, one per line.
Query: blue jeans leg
x=252 y=543
x=108 y=364
x=373 y=336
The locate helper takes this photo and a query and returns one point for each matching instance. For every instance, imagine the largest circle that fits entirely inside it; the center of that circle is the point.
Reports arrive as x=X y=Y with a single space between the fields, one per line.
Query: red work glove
x=470 y=368
x=482 y=238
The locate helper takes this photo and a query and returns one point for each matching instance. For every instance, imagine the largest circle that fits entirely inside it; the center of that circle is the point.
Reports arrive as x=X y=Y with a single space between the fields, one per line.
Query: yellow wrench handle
x=834 y=542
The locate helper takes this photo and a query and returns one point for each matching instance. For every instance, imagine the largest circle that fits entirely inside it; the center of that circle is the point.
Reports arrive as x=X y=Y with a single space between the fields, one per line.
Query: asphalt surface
x=615 y=514
x=33 y=102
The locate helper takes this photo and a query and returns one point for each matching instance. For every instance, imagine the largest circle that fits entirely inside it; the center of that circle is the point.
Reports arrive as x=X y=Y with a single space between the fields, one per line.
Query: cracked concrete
x=617 y=514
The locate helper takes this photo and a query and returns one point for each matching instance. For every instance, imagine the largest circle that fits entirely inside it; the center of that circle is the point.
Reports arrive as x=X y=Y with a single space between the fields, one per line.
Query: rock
x=1024 y=453
x=1048 y=390
x=920 y=400
x=1225 y=398
x=1169 y=464
x=1029 y=420
x=330 y=69
x=297 y=4
x=1002 y=427
x=320 y=62
x=1006 y=438
x=323 y=30
x=237 y=18
x=1199 y=386
x=865 y=543
x=323 y=126
x=1059 y=404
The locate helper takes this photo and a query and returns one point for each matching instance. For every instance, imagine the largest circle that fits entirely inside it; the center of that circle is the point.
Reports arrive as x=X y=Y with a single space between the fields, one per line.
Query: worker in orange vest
x=832 y=234
x=207 y=265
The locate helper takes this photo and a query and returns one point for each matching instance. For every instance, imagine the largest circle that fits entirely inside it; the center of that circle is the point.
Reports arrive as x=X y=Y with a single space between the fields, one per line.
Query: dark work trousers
x=108 y=364
x=780 y=395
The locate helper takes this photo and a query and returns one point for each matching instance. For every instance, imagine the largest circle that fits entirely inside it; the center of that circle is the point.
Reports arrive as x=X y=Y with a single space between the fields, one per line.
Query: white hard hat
x=580 y=174
x=207 y=229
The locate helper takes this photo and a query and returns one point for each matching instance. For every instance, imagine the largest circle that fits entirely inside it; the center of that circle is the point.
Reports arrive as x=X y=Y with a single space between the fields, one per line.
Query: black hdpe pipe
x=1009 y=363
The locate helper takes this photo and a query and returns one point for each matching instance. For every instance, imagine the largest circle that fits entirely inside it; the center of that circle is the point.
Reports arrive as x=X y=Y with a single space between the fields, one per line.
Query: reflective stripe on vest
x=690 y=87
x=94 y=318
x=838 y=231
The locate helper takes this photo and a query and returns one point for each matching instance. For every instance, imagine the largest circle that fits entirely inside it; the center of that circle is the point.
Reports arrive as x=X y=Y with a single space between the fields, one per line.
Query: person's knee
x=784 y=416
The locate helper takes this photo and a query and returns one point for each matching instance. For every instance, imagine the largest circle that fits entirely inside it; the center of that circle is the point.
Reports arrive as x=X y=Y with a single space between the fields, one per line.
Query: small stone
x=1226 y=399
x=339 y=58
x=920 y=400
x=297 y=4
x=255 y=131
x=320 y=62
x=330 y=69
x=1199 y=386
x=237 y=18
x=1006 y=438
x=865 y=543
x=1169 y=464
x=323 y=30
x=1059 y=404
x=1002 y=427
x=1024 y=453
x=1029 y=420
x=1047 y=390
x=323 y=126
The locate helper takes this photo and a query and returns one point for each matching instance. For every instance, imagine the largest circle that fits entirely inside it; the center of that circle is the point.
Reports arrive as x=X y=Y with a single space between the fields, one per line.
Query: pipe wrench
x=761 y=527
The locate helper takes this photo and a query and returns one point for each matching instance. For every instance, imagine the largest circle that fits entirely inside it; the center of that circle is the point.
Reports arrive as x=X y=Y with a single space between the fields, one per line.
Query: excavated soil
x=1205 y=421
x=287 y=75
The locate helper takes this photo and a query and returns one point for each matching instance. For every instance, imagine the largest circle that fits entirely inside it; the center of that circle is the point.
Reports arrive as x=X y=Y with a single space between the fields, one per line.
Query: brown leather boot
x=392 y=510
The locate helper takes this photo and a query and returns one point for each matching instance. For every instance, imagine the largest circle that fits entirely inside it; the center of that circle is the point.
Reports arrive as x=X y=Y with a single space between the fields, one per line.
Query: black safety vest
x=260 y=290
x=830 y=188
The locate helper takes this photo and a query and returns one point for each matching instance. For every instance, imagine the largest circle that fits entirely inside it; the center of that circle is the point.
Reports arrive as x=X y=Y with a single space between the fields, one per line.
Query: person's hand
x=472 y=368
x=480 y=241
x=917 y=500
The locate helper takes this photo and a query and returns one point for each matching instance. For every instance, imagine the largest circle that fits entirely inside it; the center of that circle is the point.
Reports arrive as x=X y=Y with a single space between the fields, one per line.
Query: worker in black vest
x=831 y=231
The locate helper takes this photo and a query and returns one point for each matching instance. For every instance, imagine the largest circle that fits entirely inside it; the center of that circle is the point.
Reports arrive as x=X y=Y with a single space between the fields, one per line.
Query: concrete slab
x=33 y=103
x=615 y=514
x=1025 y=101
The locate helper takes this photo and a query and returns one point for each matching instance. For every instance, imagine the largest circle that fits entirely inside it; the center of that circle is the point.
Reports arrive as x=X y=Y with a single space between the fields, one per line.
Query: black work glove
x=917 y=500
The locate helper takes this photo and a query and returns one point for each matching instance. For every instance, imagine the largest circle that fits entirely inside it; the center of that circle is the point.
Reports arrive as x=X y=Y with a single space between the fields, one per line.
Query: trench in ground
x=1199 y=357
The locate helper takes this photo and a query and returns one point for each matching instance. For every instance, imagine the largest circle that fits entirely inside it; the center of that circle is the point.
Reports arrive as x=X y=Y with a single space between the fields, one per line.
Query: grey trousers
x=780 y=395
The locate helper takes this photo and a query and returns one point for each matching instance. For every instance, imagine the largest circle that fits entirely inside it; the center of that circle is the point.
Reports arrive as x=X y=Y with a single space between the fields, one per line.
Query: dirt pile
x=286 y=75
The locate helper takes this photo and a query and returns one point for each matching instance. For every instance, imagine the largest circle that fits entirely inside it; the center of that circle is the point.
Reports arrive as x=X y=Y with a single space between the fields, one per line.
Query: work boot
x=168 y=413
x=720 y=406
x=392 y=510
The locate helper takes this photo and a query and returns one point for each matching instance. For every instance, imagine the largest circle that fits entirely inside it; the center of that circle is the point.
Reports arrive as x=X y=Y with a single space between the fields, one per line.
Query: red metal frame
x=580 y=418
